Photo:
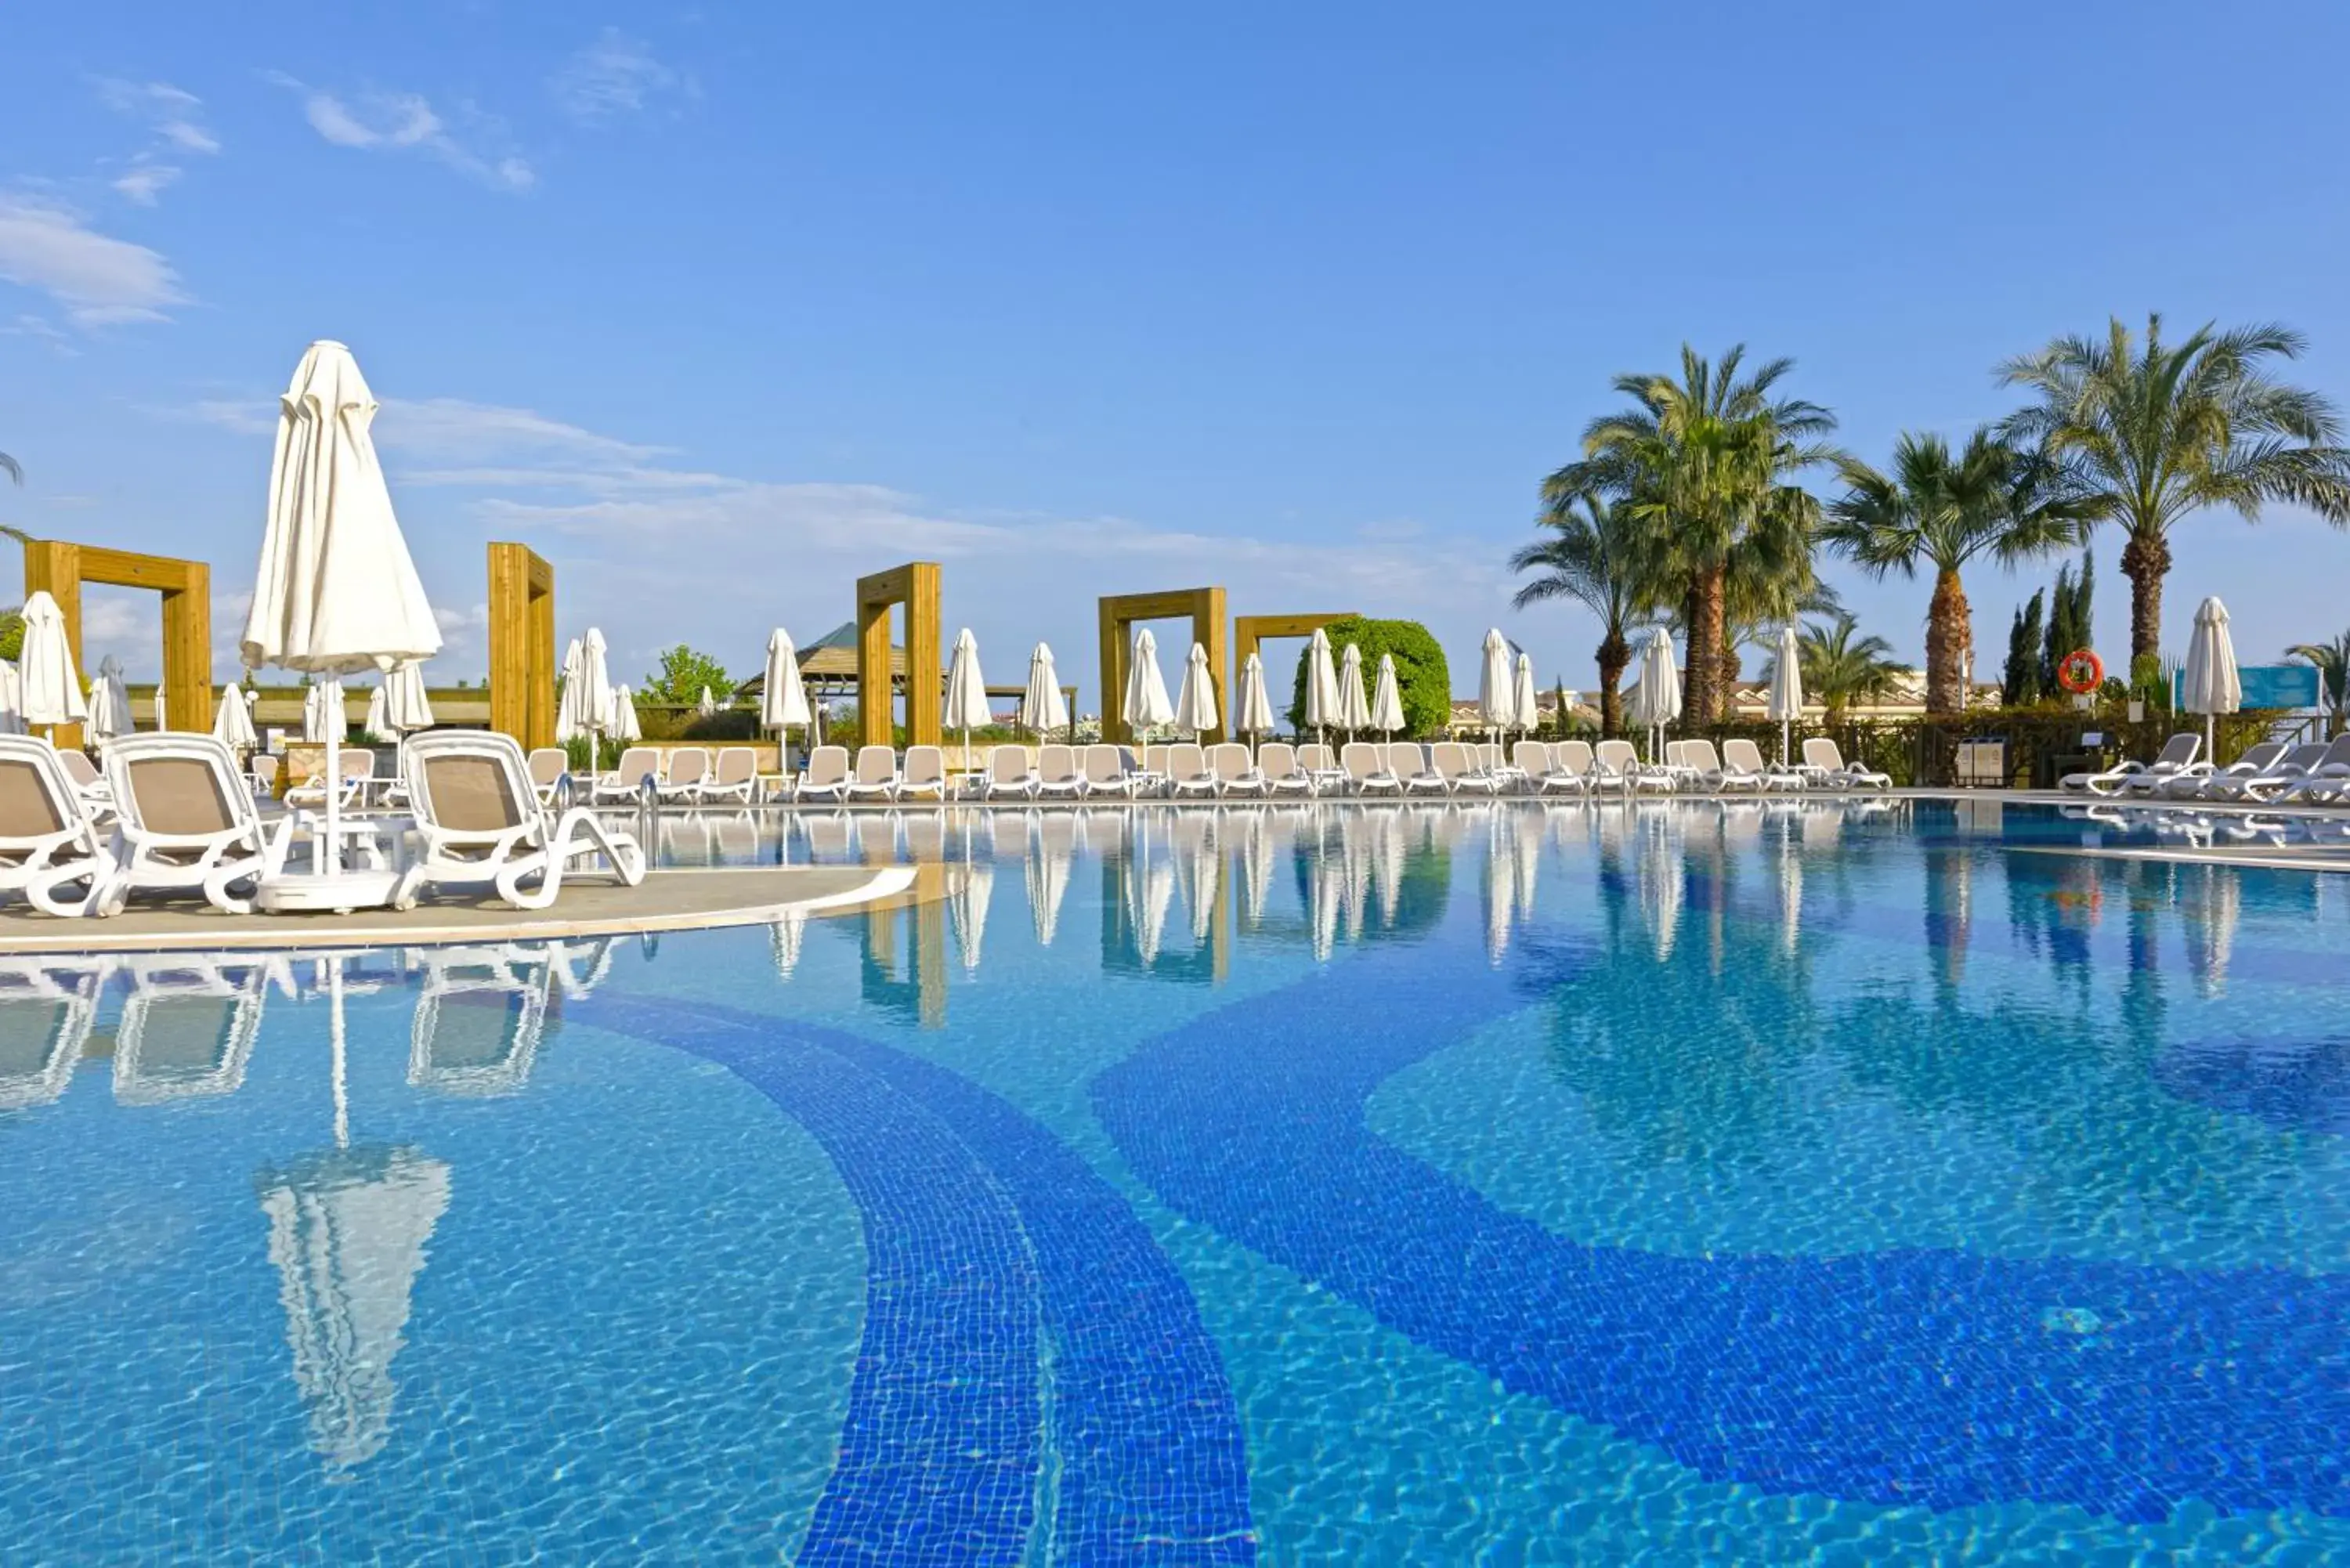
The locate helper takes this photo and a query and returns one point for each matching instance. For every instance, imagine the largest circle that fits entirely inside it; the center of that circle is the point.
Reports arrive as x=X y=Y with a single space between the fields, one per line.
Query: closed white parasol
x=336 y=590
x=1321 y=684
x=782 y=698
x=2211 y=685
x=1043 y=709
x=1195 y=704
x=624 y=716
x=1497 y=706
x=233 y=720
x=1387 y=698
x=49 y=692
x=109 y=702
x=1786 y=703
x=406 y=707
x=1657 y=694
x=1526 y=706
x=1147 y=706
x=1354 y=710
x=966 y=704
x=1255 y=716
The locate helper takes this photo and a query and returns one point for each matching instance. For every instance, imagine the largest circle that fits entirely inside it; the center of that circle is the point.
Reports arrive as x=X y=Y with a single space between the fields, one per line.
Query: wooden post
x=60 y=567
x=1205 y=607
x=1113 y=673
x=187 y=651
x=522 y=645
x=914 y=586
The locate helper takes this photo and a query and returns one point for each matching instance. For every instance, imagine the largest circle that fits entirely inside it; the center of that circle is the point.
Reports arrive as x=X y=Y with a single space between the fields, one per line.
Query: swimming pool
x=1345 y=1185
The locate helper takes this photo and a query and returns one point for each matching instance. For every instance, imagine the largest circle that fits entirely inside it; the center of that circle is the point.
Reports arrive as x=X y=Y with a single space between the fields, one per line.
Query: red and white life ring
x=2081 y=671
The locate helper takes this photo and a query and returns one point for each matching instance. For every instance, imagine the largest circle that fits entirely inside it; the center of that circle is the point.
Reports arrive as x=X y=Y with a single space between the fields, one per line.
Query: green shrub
x=12 y=635
x=1422 y=677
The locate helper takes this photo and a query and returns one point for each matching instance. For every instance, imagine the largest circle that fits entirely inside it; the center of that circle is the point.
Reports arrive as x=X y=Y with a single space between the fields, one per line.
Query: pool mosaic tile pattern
x=1532 y=1183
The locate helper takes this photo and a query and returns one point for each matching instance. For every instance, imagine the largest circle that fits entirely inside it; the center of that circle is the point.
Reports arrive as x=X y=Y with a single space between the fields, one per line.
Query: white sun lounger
x=1368 y=770
x=49 y=840
x=1010 y=772
x=1277 y=762
x=2199 y=782
x=548 y=764
x=926 y=774
x=1415 y=768
x=184 y=822
x=684 y=773
x=827 y=775
x=1105 y=771
x=356 y=765
x=734 y=777
x=626 y=782
x=1059 y=772
x=1236 y=771
x=1616 y=763
x=2325 y=780
x=1188 y=772
x=1713 y=773
x=876 y=773
x=1824 y=768
x=2176 y=754
x=1567 y=767
x=479 y=821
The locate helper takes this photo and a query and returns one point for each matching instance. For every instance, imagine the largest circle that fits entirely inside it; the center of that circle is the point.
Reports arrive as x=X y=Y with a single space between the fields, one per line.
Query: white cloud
x=398 y=121
x=613 y=76
x=100 y=280
x=453 y=431
x=144 y=181
x=654 y=553
x=175 y=114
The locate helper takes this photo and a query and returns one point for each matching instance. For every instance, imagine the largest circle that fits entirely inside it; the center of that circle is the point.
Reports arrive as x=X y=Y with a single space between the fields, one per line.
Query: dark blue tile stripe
x=1912 y=1377
x=1154 y=1468
x=942 y=1449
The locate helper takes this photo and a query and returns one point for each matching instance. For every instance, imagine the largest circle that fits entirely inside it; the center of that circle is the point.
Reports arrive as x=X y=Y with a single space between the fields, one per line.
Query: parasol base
x=315 y=893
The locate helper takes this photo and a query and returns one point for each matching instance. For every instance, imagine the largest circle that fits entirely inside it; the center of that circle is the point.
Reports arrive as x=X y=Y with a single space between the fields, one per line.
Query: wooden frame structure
x=522 y=645
x=1205 y=607
x=1249 y=631
x=61 y=567
x=915 y=585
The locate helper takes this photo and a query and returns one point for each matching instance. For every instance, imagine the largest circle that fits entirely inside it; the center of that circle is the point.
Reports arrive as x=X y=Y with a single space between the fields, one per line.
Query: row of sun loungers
x=179 y=817
x=1278 y=768
x=2270 y=773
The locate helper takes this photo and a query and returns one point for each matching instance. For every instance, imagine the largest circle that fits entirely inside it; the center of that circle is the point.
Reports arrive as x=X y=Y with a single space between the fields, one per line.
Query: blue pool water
x=1527 y=1184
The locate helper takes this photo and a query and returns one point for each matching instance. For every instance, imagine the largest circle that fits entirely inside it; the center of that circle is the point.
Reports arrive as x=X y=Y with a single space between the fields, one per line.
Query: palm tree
x=8 y=466
x=2145 y=435
x=1944 y=510
x=1704 y=464
x=1838 y=668
x=2332 y=661
x=1594 y=556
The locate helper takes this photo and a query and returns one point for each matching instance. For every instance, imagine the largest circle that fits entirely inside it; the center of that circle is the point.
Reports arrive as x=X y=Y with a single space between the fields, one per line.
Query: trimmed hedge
x=1421 y=675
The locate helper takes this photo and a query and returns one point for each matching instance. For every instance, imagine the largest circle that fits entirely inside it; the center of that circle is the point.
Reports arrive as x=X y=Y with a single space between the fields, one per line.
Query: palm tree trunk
x=1614 y=658
x=2146 y=561
x=1949 y=634
x=1702 y=693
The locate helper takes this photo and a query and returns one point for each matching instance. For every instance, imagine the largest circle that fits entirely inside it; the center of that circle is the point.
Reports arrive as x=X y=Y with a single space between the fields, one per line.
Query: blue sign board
x=2267 y=686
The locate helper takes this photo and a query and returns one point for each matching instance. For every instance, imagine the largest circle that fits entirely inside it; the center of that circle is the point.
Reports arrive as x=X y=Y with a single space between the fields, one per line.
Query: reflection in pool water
x=1403 y=1184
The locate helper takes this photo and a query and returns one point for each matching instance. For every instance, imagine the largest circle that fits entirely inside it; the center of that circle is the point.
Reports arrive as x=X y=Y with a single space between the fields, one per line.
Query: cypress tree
x=2019 y=682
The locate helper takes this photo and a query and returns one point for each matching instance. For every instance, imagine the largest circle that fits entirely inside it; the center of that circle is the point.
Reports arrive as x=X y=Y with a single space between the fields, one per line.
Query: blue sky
x=720 y=307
